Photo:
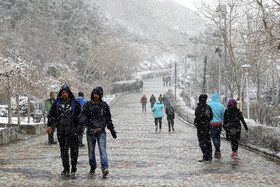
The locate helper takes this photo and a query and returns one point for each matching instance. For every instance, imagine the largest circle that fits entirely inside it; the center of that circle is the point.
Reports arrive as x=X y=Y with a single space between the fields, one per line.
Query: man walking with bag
x=96 y=116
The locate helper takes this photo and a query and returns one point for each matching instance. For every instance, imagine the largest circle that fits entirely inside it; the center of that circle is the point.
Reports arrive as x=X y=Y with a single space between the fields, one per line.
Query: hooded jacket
x=157 y=110
x=232 y=119
x=81 y=100
x=218 y=110
x=203 y=113
x=54 y=115
x=96 y=115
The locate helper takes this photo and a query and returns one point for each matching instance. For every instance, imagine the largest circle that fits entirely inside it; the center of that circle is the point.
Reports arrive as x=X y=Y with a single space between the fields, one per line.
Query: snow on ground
x=24 y=121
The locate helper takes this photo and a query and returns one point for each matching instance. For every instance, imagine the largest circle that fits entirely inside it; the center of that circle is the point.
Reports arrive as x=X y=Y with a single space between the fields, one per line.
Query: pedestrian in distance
x=152 y=100
x=216 y=123
x=232 y=126
x=163 y=80
x=82 y=101
x=96 y=116
x=169 y=110
x=160 y=99
x=64 y=113
x=203 y=116
x=158 y=114
x=144 y=101
x=49 y=103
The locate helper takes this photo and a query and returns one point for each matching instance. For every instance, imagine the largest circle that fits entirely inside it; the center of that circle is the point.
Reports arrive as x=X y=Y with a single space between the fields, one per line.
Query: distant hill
x=161 y=20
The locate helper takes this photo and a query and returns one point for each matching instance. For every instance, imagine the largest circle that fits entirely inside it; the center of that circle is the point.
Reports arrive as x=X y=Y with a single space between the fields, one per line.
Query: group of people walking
x=209 y=121
x=166 y=81
x=70 y=116
x=157 y=105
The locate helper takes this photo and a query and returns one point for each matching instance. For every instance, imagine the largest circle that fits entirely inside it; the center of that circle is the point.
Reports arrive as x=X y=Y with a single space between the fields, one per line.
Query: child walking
x=232 y=125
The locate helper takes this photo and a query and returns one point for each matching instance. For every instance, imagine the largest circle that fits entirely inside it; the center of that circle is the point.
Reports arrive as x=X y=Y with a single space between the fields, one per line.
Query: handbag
x=96 y=132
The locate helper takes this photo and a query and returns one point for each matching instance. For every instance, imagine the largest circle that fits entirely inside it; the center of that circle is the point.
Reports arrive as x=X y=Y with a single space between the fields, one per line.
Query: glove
x=49 y=130
x=114 y=133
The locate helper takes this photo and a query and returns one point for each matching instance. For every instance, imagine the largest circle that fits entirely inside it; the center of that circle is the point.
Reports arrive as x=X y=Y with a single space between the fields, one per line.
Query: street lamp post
x=218 y=50
x=223 y=10
x=247 y=67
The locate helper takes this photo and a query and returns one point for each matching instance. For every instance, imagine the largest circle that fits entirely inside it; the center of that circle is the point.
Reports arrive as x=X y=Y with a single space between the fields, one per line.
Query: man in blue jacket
x=96 y=116
x=64 y=114
x=216 y=123
x=82 y=101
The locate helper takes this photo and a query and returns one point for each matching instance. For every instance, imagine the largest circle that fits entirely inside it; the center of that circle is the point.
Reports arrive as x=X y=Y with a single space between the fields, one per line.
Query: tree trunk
x=9 y=109
x=18 y=110
x=28 y=110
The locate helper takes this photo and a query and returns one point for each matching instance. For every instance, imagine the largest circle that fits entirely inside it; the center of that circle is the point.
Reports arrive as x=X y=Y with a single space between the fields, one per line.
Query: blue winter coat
x=96 y=115
x=218 y=110
x=81 y=100
x=157 y=110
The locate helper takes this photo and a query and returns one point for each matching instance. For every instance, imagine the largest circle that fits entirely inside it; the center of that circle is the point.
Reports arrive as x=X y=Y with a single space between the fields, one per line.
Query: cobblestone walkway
x=139 y=156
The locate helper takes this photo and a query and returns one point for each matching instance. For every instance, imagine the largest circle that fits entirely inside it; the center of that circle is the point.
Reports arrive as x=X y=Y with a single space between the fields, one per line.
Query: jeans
x=170 y=121
x=215 y=135
x=101 y=140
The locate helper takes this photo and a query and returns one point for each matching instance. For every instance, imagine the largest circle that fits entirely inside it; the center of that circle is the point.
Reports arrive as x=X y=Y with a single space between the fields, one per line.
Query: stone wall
x=8 y=135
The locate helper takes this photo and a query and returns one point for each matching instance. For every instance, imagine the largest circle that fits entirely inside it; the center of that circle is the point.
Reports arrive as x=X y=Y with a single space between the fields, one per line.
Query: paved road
x=139 y=156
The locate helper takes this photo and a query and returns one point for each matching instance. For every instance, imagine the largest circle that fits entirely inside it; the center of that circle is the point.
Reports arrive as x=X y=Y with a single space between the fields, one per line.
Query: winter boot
x=105 y=172
x=217 y=155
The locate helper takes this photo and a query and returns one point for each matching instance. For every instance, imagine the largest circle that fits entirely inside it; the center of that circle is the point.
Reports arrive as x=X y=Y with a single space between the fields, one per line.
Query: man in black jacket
x=64 y=114
x=96 y=115
x=203 y=116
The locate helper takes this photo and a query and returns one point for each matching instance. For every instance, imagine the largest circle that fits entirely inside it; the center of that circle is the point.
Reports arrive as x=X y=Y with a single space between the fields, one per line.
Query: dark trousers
x=234 y=144
x=68 y=141
x=144 y=107
x=170 y=123
x=50 y=136
x=158 y=120
x=81 y=136
x=205 y=143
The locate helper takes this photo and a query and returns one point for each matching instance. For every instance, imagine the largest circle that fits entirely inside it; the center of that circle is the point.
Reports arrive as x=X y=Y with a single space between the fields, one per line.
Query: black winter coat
x=96 y=115
x=232 y=124
x=203 y=116
x=54 y=115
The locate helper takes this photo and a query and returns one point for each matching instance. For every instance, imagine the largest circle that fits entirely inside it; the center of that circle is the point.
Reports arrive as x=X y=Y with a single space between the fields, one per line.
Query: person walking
x=160 y=98
x=232 y=125
x=158 y=114
x=203 y=116
x=144 y=100
x=216 y=123
x=96 y=116
x=163 y=80
x=49 y=103
x=64 y=113
x=82 y=101
x=152 y=100
x=169 y=110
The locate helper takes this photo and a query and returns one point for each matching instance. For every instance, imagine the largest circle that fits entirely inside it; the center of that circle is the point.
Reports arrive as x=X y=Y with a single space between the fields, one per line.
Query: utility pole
x=175 y=78
x=204 y=76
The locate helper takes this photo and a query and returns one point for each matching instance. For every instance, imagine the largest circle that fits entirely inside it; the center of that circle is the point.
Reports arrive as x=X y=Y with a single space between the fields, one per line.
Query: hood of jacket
x=158 y=102
x=215 y=98
x=99 y=91
x=202 y=99
x=65 y=87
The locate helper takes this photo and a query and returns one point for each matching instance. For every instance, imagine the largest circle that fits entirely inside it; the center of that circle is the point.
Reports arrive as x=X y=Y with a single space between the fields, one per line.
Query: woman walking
x=232 y=125
x=158 y=114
